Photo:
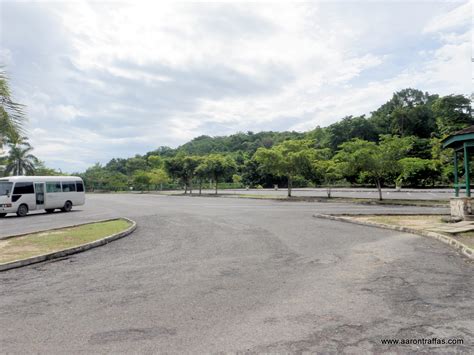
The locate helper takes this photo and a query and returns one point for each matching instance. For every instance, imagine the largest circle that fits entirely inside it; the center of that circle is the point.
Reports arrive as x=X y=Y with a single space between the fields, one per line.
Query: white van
x=20 y=194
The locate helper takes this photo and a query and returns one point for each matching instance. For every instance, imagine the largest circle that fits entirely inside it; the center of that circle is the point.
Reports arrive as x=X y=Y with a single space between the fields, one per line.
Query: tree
x=12 y=116
x=117 y=165
x=42 y=170
x=236 y=179
x=442 y=161
x=134 y=164
x=288 y=159
x=407 y=113
x=329 y=172
x=141 y=179
x=93 y=176
x=20 y=160
x=321 y=137
x=452 y=113
x=378 y=163
x=417 y=172
x=217 y=167
x=155 y=161
x=253 y=175
x=201 y=174
x=351 y=127
x=158 y=177
x=190 y=163
x=99 y=177
x=183 y=168
x=174 y=167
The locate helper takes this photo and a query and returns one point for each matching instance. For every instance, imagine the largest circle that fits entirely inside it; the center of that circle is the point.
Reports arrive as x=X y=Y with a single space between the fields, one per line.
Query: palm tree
x=3 y=161
x=20 y=160
x=11 y=113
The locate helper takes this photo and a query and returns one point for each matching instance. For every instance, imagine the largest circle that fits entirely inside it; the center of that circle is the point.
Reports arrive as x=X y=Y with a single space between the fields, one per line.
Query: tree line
x=400 y=143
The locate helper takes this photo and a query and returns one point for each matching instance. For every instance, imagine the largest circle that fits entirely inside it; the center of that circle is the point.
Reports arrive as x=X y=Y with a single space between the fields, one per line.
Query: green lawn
x=50 y=241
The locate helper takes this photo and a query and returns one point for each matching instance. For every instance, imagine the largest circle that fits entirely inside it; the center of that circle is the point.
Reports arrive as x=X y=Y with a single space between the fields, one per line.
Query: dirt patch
x=410 y=221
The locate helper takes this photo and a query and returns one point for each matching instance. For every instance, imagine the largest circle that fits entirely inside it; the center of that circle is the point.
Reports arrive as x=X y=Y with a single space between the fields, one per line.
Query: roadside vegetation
x=34 y=244
x=399 y=144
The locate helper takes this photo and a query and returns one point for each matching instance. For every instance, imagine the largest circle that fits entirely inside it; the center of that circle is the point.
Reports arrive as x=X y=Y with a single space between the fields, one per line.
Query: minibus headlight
x=6 y=205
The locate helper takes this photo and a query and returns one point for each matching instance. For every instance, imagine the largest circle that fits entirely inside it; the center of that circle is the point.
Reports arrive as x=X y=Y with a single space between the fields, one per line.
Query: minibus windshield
x=5 y=188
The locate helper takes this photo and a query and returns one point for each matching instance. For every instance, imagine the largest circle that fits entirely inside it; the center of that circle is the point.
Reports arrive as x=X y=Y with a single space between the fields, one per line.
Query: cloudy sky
x=113 y=79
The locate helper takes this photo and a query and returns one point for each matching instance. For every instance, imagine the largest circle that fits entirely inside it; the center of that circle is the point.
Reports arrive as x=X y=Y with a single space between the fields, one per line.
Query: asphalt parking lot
x=207 y=275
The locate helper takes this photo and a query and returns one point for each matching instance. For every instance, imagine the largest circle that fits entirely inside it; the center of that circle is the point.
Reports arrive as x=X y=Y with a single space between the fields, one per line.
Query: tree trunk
x=185 y=188
x=328 y=191
x=216 y=185
x=379 y=188
x=190 y=186
x=200 y=186
x=290 y=183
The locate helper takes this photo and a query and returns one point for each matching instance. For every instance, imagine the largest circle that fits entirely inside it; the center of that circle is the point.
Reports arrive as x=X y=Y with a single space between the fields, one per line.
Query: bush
x=417 y=172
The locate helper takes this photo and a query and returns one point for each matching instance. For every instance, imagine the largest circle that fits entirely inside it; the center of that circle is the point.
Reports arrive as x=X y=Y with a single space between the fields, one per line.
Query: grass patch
x=51 y=241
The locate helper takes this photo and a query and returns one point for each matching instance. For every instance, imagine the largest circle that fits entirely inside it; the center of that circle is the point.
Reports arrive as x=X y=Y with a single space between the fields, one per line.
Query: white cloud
x=115 y=79
x=460 y=16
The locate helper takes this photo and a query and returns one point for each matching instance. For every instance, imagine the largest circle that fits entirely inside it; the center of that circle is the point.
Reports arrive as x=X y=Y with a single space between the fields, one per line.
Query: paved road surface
x=212 y=274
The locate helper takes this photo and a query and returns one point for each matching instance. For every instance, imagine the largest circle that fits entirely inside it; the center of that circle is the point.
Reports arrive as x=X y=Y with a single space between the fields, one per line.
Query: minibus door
x=39 y=192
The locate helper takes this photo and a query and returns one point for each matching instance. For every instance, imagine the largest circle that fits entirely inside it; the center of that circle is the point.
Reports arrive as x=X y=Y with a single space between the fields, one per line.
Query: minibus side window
x=69 y=186
x=22 y=188
x=54 y=186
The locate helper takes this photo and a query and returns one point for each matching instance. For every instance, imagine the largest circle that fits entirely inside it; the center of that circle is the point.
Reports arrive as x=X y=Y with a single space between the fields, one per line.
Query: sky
x=114 y=79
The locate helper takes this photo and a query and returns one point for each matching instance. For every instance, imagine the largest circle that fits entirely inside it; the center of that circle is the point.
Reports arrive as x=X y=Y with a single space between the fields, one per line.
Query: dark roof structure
x=462 y=143
x=457 y=139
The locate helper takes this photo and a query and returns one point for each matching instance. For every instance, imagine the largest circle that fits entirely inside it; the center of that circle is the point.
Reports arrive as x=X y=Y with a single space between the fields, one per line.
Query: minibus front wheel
x=22 y=210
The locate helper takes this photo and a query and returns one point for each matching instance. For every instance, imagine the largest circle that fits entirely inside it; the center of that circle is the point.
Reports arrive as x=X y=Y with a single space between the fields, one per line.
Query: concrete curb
x=464 y=249
x=70 y=251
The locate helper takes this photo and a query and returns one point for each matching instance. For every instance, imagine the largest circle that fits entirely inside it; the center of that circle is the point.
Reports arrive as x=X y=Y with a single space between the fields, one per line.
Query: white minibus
x=20 y=194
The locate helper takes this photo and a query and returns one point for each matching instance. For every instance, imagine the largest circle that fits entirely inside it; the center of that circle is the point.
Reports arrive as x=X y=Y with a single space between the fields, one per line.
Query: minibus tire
x=22 y=210
x=67 y=206
x=2 y=215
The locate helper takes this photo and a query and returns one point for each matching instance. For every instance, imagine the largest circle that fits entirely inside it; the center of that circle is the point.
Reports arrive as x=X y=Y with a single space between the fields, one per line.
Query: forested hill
x=422 y=117
x=240 y=142
x=409 y=112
